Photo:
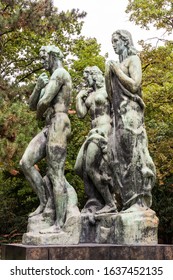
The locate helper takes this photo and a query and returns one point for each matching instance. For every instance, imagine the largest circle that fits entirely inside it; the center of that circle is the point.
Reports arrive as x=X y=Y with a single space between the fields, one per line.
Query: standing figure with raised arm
x=51 y=100
x=92 y=162
x=133 y=168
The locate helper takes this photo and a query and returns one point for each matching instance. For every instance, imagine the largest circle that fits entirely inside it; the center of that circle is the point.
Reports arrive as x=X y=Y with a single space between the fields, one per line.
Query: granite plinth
x=87 y=252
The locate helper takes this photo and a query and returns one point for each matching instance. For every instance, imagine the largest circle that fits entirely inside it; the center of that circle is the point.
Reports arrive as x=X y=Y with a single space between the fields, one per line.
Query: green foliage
x=155 y=12
x=17 y=200
x=86 y=52
x=163 y=205
x=17 y=127
x=27 y=25
x=157 y=92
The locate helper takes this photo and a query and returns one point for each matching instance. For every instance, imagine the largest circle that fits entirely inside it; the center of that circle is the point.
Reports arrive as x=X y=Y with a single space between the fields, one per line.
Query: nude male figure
x=50 y=99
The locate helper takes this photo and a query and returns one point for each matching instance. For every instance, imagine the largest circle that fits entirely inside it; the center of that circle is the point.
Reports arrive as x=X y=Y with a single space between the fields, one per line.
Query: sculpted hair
x=97 y=75
x=127 y=38
x=54 y=50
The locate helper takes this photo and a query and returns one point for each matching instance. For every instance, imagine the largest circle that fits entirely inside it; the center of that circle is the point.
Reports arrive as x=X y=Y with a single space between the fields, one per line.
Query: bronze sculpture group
x=114 y=157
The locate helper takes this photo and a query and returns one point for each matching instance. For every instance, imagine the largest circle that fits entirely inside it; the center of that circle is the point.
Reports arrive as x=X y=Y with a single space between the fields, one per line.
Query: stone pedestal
x=87 y=252
x=41 y=229
x=134 y=226
x=69 y=234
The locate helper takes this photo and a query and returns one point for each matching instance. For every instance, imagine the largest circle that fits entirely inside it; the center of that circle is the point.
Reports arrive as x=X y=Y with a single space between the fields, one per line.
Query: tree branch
x=29 y=74
x=6 y=8
x=6 y=32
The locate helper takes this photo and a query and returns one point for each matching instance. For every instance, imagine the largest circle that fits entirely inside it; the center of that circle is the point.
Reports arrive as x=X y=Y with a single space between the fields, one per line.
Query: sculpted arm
x=108 y=81
x=34 y=98
x=80 y=104
x=51 y=91
x=132 y=81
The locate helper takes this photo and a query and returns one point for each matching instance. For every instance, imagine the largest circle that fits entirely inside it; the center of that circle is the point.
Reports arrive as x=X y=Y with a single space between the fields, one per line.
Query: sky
x=103 y=18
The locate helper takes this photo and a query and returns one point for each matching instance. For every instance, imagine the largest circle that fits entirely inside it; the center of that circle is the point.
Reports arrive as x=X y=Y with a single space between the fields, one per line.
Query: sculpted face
x=45 y=59
x=86 y=73
x=88 y=77
x=118 y=44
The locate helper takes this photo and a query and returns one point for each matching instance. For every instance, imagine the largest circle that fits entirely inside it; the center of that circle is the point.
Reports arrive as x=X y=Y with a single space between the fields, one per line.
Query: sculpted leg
x=56 y=155
x=56 y=175
x=79 y=162
x=100 y=177
x=35 y=151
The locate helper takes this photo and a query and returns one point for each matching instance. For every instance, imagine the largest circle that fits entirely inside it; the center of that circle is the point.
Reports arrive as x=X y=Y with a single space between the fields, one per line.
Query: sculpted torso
x=57 y=92
x=98 y=108
x=129 y=72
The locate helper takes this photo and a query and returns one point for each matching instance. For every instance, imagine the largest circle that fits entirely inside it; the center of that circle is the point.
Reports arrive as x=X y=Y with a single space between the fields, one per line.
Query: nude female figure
x=92 y=163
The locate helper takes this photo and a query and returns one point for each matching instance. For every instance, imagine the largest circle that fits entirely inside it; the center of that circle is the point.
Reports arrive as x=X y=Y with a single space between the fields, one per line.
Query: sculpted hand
x=83 y=94
x=42 y=81
x=114 y=65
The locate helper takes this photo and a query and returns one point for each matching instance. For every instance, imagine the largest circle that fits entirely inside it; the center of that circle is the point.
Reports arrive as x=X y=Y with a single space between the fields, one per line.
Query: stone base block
x=134 y=226
x=40 y=232
x=30 y=238
x=43 y=230
x=87 y=252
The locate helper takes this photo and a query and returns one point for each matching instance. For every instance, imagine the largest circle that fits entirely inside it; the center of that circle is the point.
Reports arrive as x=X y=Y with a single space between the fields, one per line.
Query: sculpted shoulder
x=61 y=73
x=135 y=59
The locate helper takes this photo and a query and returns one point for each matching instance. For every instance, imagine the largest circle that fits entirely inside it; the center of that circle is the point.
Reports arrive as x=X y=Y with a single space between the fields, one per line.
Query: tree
x=155 y=12
x=25 y=26
x=86 y=52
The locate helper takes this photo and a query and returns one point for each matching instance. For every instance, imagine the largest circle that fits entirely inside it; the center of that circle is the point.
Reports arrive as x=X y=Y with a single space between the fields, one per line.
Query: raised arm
x=108 y=82
x=34 y=98
x=51 y=90
x=81 y=108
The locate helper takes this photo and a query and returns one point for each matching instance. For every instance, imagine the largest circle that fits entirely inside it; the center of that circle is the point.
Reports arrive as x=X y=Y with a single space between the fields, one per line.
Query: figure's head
x=48 y=55
x=94 y=76
x=87 y=76
x=86 y=72
x=97 y=76
x=122 y=40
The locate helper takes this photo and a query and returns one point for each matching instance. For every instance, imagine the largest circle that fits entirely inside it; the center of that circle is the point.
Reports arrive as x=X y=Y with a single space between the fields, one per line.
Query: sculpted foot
x=135 y=207
x=38 y=211
x=52 y=229
x=107 y=209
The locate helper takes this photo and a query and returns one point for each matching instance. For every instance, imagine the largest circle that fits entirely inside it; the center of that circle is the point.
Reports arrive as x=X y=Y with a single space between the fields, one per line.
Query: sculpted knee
x=78 y=169
x=23 y=164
